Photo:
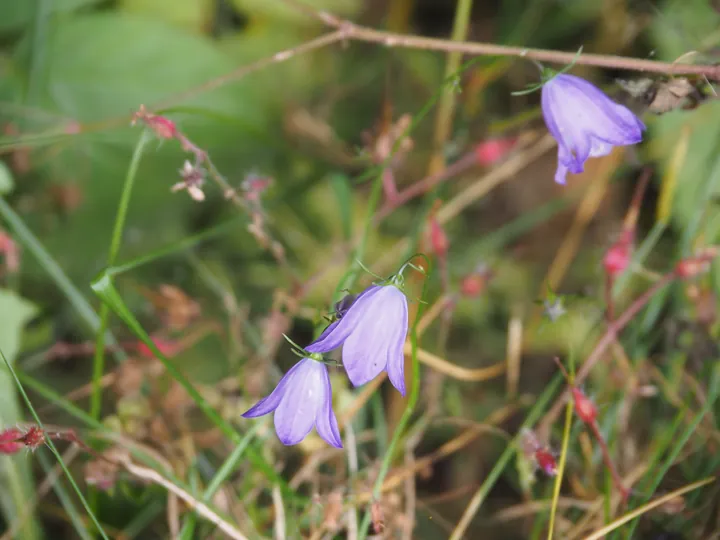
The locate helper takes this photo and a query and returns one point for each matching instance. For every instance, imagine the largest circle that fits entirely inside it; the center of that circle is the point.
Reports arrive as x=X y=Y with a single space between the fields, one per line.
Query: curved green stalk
x=115 y=241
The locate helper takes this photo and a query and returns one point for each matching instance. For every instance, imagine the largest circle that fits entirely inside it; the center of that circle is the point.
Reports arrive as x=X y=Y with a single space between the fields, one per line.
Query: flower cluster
x=371 y=328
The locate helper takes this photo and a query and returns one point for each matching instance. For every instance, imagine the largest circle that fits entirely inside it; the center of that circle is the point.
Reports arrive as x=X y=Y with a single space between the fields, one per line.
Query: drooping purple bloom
x=302 y=399
x=584 y=122
x=372 y=332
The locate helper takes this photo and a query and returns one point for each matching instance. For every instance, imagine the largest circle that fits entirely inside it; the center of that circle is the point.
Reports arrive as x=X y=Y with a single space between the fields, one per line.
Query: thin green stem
x=404 y=420
x=446 y=107
x=53 y=449
x=116 y=240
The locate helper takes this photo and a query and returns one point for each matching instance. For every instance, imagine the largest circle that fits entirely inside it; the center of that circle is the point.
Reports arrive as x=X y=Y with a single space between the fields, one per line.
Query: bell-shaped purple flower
x=585 y=122
x=372 y=332
x=302 y=399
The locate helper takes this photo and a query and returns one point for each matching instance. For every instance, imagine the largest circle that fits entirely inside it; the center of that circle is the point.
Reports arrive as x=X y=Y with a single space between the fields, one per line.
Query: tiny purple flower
x=585 y=122
x=372 y=332
x=301 y=399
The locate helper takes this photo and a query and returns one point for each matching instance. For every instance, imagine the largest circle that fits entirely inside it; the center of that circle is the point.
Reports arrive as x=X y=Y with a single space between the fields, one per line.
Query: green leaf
x=6 y=180
x=15 y=476
x=19 y=13
x=193 y=15
x=108 y=64
x=285 y=12
x=341 y=186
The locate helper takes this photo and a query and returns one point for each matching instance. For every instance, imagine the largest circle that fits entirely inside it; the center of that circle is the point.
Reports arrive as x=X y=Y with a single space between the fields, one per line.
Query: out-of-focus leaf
x=341 y=186
x=6 y=181
x=109 y=64
x=274 y=9
x=674 y=31
x=286 y=81
x=16 y=487
x=17 y=13
x=194 y=15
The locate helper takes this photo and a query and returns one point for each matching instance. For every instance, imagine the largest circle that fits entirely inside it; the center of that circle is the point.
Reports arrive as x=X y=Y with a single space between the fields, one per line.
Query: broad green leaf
x=284 y=11
x=6 y=181
x=18 y=13
x=193 y=15
x=108 y=64
x=16 y=487
x=675 y=31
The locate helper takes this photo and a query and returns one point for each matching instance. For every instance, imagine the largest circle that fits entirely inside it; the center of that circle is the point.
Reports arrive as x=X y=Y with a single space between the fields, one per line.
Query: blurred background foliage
x=72 y=72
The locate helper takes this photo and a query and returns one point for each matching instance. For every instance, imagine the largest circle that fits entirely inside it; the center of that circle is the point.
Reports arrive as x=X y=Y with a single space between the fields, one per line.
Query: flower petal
x=335 y=334
x=396 y=356
x=561 y=174
x=270 y=403
x=296 y=413
x=570 y=129
x=325 y=422
x=601 y=116
x=384 y=322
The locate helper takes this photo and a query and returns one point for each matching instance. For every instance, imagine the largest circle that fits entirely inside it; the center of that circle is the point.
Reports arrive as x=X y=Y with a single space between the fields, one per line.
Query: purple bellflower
x=302 y=399
x=372 y=332
x=584 y=122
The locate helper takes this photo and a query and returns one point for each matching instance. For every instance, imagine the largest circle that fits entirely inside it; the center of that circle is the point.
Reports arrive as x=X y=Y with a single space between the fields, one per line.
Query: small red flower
x=163 y=127
x=34 y=438
x=10 y=441
x=546 y=461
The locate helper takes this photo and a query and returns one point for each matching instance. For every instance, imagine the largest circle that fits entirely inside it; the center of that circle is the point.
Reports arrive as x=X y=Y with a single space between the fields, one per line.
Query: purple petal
x=271 y=402
x=335 y=334
x=303 y=400
x=383 y=324
x=396 y=357
x=566 y=118
x=597 y=114
x=325 y=422
x=561 y=173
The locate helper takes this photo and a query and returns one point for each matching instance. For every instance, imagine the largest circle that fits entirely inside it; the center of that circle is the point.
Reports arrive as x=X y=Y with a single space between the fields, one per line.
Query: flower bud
x=584 y=407
x=10 y=441
x=617 y=258
x=493 y=150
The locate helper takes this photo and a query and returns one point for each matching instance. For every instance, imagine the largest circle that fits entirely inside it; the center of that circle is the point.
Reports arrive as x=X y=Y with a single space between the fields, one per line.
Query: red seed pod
x=617 y=258
x=584 y=407
x=438 y=239
x=472 y=286
x=493 y=150
x=166 y=346
x=10 y=441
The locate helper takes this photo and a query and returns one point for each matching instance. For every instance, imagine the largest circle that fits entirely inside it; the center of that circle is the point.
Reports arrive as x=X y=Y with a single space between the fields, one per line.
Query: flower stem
x=390 y=39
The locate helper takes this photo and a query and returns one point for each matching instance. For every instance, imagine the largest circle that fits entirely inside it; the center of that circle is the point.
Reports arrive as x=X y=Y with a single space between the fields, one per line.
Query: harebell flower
x=585 y=122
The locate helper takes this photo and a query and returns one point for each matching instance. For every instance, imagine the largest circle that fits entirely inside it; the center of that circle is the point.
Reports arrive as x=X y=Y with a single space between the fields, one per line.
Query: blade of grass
x=601 y=533
x=53 y=449
x=66 y=501
x=71 y=292
x=105 y=289
x=680 y=441
x=115 y=241
x=225 y=470
x=482 y=492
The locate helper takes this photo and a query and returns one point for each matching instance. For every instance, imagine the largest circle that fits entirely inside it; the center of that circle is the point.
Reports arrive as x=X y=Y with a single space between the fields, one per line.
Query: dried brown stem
x=390 y=39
